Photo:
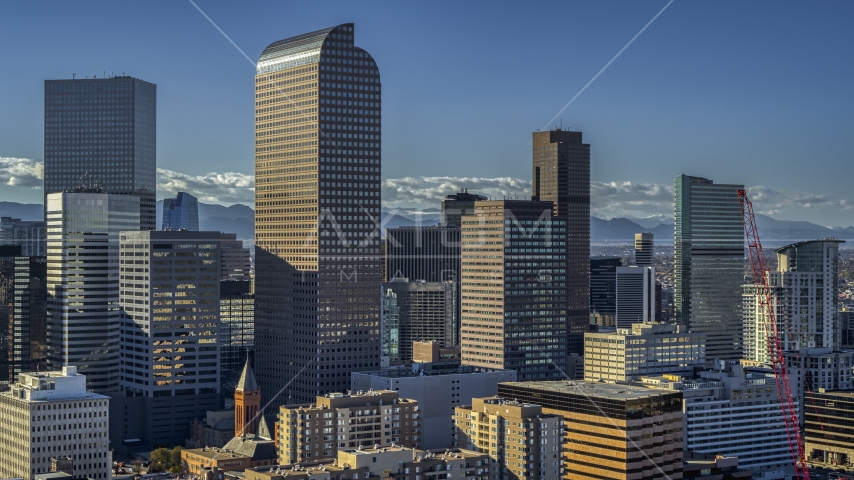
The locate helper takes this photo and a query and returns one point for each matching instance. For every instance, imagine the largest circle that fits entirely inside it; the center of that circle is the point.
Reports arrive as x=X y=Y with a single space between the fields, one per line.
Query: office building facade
x=828 y=430
x=644 y=349
x=169 y=352
x=180 y=213
x=431 y=254
x=438 y=388
x=635 y=296
x=805 y=294
x=513 y=287
x=603 y=290
x=317 y=198
x=236 y=327
x=733 y=413
x=420 y=311
x=236 y=259
x=503 y=429
x=30 y=235
x=644 y=250
x=309 y=432
x=457 y=205
x=561 y=175
x=709 y=263
x=102 y=131
x=33 y=409
x=611 y=431
x=83 y=282
x=23 y=314
x=814 y=369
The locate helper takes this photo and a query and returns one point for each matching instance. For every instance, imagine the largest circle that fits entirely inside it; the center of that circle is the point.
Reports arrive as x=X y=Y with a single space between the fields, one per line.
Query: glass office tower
x=102 y=131
x=709 y=263
x=561 y=174
x=83 y=282
x=181 y=212
x=317 y=198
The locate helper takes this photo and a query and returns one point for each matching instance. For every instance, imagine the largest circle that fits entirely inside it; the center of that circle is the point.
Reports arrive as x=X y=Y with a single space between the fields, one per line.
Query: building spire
x=247 y=382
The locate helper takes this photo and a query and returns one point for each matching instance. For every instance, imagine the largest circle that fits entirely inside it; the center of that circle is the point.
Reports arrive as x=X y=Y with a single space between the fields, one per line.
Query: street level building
x=30 y=235
x=83 y=282
x=805 y=294
x=104 y=131
x=645 y=349
x=828 y=431
x=180 y=213
x=438 y=388
x=316 y=431
x=23 y=314
x=514 y=289
x=169 y=353
x=561 y=175
x=611 y=431
x=317 y=197
x=388 y=463
x=49 y=416
x=709 y=264
x=505 y=430
x=733 y=413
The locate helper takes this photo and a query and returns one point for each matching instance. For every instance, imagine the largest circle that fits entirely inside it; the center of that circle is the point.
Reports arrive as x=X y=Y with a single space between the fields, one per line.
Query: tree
x=163 y=460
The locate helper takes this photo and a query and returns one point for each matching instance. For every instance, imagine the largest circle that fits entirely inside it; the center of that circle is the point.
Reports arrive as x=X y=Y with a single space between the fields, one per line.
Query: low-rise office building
x=643 y=349
x=438 y=388
x=316 y=431
x=49 y=416
x=386 y=463
x=733 y=413
x=611 y=431
x=828 y=430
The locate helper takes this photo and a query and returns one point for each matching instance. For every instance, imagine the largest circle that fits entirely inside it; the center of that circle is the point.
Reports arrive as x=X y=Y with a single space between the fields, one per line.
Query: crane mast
x=775 y=351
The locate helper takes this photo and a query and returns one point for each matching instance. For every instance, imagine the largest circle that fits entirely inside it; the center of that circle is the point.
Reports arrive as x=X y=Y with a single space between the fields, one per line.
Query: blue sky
x=758 y=93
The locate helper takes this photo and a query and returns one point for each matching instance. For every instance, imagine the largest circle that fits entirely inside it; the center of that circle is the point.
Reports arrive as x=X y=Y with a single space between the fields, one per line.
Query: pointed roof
x=263 y=430
x=247 y=381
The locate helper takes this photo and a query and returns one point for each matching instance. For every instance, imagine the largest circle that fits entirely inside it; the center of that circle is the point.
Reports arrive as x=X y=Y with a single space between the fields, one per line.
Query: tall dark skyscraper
x=317 y=198
x=181 y=212
x=23 y=313
x=456 y=205
x=709 y=264
x=105 y=130
x=561 y=174
x=603 y=289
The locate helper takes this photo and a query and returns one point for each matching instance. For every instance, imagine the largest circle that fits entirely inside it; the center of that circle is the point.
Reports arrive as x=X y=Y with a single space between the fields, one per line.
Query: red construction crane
x=775 y=349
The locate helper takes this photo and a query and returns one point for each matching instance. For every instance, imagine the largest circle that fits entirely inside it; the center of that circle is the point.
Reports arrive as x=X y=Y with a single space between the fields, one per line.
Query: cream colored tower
x=317 y=207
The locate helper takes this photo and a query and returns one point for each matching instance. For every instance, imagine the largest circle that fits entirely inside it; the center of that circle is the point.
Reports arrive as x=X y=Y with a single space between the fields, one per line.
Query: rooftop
x=431 y=369
x=619 y=391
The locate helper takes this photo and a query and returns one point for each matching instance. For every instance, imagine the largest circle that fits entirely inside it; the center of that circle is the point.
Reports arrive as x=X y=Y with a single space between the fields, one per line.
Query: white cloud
x=22 y=172
x=228 y=187
x=428 y=192
x=770 y=202
x=614 y=199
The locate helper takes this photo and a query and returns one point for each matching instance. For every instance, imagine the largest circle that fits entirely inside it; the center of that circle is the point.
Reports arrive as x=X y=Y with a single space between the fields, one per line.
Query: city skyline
x=639 y=95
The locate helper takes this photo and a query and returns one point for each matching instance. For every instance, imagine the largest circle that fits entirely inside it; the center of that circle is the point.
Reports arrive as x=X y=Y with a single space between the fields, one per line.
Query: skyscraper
x=456 y=205
x=169 y=350
x=561 y=174
x=105 y=131
x=514 y=289
x=429 y=253
x=644 y=250
x=23 y=313
x=805 y=293
x=709 y=263
x=603 y=289
x=83 y=282
x=423 y=311
x=635 y=296
x=318 y=257
x=181 y=212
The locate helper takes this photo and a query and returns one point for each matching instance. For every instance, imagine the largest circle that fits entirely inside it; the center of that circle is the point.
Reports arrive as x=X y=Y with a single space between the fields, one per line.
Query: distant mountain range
x=240 y=219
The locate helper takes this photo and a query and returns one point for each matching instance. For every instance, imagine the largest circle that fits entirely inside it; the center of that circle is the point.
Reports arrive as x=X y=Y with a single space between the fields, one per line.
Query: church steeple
x=247 y=403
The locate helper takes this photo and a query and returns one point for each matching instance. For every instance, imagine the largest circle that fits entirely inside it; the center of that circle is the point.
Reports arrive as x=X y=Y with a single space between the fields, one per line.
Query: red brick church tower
x=247 y=403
